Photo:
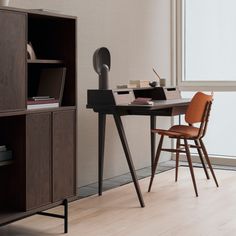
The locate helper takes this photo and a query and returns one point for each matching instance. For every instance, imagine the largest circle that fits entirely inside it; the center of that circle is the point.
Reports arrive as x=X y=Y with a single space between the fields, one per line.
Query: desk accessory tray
x=158 y=93
x=100 y=97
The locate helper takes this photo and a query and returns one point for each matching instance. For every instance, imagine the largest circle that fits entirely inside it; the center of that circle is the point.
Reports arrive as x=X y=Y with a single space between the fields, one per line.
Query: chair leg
x=201 y=158
x=156 y=162
x=208 y=161
x=190 y=165
x=177 y=160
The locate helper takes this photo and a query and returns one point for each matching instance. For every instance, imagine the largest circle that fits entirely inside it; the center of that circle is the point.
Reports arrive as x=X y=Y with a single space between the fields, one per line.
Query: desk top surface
x=159 y=108
x=158 y=104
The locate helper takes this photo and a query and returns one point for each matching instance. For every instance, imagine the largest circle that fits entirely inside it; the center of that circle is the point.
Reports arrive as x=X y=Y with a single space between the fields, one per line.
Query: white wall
x=137 y=33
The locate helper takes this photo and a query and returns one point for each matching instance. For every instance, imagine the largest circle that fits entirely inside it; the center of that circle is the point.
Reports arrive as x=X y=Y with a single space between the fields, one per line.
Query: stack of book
x=135 y=84
x=50 y=89
x=42 y=102
x=5 y=154
x=140 y=83
x=125 y=86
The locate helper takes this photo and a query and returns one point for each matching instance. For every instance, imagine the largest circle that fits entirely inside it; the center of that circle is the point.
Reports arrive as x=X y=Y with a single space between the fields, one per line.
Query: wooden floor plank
x=171 y=209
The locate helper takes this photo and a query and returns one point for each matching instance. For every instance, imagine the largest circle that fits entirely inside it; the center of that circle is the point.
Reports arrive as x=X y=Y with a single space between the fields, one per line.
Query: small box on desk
x=140 y=83
x=172 y=93
x=125 y=96
x=109 y=97
x=158 y=93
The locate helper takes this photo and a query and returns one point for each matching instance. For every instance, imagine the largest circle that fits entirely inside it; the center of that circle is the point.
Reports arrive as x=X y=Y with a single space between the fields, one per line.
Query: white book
x=41 y=106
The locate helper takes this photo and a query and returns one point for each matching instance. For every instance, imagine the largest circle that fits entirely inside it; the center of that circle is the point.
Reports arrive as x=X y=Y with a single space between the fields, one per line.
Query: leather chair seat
x=179 y=131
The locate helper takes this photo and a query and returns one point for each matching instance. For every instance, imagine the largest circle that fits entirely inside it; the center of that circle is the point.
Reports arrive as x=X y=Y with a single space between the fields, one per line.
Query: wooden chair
x=198 y=112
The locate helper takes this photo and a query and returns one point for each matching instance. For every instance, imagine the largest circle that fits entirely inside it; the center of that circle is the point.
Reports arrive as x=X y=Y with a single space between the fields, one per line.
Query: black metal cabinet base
x=65 y=216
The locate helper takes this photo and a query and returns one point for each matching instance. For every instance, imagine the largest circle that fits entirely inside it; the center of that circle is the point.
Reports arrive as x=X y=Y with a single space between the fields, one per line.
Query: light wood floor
x=171 y=209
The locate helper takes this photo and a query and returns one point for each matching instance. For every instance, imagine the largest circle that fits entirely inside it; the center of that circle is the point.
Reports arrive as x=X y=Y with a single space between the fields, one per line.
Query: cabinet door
x=38 y=160
x=12 y=60
x=63 y=154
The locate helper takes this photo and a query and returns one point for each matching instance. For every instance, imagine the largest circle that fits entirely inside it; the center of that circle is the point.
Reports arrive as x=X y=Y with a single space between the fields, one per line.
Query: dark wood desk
x=159 y=108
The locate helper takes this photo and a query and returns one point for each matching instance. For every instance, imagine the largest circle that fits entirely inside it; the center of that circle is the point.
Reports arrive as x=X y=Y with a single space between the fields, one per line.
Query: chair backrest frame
x=202 y=112
x=196 y=109
x=205 y=120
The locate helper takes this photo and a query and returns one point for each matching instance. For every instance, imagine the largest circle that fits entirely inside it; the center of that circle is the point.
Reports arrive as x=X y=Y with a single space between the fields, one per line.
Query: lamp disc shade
x=101 y=57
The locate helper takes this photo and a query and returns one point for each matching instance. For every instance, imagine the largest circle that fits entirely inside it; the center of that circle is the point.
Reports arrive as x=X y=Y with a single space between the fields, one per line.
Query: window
x=206 y=61
x=208 y=43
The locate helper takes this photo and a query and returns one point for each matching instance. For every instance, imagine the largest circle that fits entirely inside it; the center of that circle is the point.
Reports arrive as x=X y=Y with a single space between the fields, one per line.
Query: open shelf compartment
x=12 y=172
x=53 y=41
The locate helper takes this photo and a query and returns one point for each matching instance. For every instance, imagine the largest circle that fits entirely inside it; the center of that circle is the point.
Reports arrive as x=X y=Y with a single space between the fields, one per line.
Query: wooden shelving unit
x=42 y=173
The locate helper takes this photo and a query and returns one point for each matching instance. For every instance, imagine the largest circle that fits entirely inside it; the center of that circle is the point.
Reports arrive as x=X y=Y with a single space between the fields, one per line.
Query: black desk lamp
x=102 y=65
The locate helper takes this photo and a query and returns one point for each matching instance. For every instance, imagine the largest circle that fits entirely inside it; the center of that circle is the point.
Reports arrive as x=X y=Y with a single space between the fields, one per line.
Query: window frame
x=178 y=57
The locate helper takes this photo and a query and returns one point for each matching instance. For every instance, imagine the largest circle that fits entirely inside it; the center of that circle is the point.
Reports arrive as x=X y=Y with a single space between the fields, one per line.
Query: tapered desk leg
x=101 y=144
x=124 y=142
x=153 y=140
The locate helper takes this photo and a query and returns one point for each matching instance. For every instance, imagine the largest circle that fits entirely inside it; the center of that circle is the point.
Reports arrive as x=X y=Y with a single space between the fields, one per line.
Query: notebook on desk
x=142 y=101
